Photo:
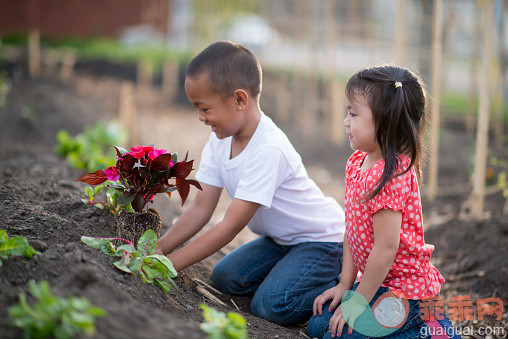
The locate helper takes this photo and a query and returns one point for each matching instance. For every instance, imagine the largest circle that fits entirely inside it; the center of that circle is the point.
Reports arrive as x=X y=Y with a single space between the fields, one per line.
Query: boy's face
x=221 y=114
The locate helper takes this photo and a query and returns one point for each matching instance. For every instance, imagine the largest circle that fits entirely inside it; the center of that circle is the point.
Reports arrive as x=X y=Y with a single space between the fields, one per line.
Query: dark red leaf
x=182 y=169
x=195 y=183
x=120 y=151
x=127 y=163
x=95 y=178
x=161 y=163
x=183 y=189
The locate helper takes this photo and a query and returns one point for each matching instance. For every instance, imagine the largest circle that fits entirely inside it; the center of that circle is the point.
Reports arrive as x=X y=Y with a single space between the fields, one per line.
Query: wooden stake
x=337 y=130
x=473 y=71
x=127 y=112
x=400 y=34
x=478 y=194
x=437 y=48
x=309 y=116
x=145 y=72
x=498 y=101
x=68 y=61
x=283 y=97
x=170 y=79
x=34 y=53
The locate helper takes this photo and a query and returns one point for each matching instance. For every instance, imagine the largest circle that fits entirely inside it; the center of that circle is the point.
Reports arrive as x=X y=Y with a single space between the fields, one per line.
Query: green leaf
x=16 y=246
x=102 y=244
x=99 y=206
x=135 y=263
x=167 y=263
x=147 y=243
x=124 y=248
x=89 y=192
x=52 y=316
x=97 y=189
x=126 y=198
x=121 y=266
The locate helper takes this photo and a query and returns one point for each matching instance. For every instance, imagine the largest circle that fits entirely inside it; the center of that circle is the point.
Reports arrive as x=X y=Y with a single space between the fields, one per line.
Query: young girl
x=384 y=226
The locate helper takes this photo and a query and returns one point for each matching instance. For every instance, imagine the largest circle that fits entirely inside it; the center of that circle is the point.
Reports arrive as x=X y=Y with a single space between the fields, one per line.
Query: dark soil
x=40 y=200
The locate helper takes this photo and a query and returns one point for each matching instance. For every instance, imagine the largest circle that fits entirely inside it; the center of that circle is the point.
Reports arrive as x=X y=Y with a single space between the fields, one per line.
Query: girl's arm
x=239 y=213
x=386 y=224
x=193 y=219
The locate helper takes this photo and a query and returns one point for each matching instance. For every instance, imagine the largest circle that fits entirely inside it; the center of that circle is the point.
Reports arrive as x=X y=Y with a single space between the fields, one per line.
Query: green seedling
x=218 y=325
x=51 y=316
x=16 y=246
x=152 y=268
x=112 y=202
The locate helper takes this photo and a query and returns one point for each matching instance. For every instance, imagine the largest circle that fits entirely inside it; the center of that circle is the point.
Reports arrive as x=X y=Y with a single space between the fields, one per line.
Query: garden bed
x=41 y=201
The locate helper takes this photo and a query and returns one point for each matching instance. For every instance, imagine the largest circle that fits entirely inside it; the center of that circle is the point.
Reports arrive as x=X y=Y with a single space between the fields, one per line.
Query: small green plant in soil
x=218 y=325
x=16 y=246
x=152 y=268
x=91 y=149
x=111 y=202
x=52 y=316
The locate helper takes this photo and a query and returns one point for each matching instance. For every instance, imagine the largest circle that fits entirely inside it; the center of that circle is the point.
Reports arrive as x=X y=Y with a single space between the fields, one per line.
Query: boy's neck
x=241 y=139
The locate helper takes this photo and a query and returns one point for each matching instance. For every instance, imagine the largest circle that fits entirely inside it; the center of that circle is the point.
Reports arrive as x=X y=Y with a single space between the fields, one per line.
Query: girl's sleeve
x=394 y=193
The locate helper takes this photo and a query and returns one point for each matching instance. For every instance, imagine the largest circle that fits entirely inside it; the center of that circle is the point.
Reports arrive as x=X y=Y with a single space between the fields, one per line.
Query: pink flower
x=112 y=173
x=155 y=153
x=137 y=154
x=146 y=149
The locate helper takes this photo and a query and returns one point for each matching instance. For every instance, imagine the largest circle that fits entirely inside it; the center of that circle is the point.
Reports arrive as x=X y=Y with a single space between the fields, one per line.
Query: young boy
x=298 y=253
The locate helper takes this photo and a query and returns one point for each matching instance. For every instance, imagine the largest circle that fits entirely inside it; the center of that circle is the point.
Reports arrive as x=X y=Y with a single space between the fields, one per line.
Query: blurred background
x=79 y=75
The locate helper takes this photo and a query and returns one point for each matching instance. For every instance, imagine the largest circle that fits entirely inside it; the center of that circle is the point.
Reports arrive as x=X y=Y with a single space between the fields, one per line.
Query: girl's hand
x=352 y=308
x=334 y=293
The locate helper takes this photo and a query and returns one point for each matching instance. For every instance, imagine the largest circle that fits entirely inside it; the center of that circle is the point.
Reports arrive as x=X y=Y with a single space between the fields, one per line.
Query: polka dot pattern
x=411 y=274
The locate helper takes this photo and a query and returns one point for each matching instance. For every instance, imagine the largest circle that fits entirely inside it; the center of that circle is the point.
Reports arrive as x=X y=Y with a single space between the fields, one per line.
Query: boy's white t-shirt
x=270 y=172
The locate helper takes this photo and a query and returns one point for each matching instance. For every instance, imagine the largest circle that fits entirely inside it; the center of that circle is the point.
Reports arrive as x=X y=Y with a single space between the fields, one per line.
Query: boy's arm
x=386 y=224
x=193 y=219
x=237 y=216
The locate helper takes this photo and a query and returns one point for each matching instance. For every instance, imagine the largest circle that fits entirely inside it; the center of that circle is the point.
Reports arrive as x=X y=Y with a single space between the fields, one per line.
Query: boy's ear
x=241 y=98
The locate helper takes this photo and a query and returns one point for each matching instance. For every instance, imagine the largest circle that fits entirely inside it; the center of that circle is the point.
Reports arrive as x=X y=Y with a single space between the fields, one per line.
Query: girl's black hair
x=396 y=97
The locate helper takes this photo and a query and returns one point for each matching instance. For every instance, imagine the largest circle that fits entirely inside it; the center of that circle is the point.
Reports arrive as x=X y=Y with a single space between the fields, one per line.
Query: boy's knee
x=317 y=326
x=226 y=282
x=275 y=309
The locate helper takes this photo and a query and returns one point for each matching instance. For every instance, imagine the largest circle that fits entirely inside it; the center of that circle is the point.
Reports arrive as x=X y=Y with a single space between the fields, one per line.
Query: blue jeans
x=283 y=281
x=412 y=327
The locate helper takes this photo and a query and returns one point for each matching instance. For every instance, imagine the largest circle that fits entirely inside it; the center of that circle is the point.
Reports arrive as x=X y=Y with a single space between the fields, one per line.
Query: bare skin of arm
x=386 y=225
x=193 y=219
x=237 y=216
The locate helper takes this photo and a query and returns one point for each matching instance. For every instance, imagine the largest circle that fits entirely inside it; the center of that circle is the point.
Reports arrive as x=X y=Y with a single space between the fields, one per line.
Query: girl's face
x=360 y=127
x=221 y=115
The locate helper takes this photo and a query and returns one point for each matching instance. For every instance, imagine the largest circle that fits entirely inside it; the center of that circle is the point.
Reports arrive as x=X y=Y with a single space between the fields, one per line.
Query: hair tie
x=398 y=84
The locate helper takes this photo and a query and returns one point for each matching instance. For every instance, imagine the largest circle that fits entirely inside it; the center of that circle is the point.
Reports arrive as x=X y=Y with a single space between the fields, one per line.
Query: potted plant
x=137 y=177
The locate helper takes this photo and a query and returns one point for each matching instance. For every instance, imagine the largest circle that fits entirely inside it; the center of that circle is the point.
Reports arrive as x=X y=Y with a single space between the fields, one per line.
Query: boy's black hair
x=396 y=97
x=230 y=67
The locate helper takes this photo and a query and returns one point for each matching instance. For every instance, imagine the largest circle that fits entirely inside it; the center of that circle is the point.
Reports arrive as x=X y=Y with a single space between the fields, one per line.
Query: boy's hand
x=334 y=293
x=158 y=250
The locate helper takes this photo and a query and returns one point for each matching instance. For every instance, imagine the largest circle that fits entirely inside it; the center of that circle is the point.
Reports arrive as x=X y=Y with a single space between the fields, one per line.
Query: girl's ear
x=241 y=98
